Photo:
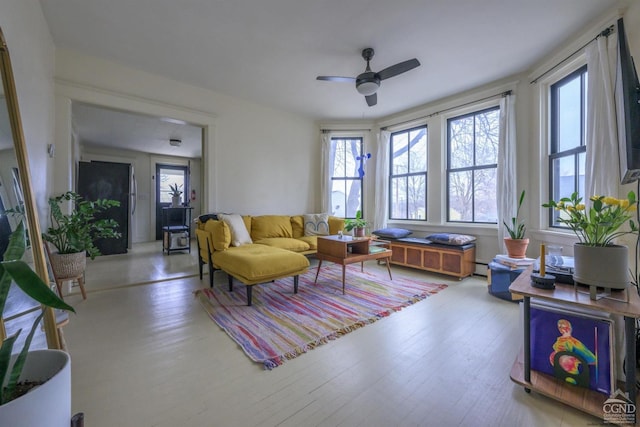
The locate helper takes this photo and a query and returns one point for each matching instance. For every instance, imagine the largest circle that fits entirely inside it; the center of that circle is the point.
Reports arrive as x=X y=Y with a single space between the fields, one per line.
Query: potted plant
x=35 y=386
x=175 y=193
x=73 y=235
x=598 y=261
x=516 y=243
x=356 y=224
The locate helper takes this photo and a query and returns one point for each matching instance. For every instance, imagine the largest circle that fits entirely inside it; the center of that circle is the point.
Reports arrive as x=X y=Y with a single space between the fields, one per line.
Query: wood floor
x=148 y=355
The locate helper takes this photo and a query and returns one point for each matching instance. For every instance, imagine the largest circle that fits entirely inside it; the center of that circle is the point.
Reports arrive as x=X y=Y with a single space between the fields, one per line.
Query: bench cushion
x=392 y=233
x=451 y=239
x=426 y=242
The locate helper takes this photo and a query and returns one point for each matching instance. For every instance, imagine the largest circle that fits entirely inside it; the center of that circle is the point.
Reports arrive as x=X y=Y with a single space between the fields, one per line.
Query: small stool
x=79 y=279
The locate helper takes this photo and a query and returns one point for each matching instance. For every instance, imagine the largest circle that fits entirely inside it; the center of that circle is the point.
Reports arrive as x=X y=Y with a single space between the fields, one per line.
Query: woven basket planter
x=68 y=266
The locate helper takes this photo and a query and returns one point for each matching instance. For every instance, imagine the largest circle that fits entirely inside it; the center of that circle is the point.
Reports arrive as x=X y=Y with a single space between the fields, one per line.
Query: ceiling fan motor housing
x=367 y=83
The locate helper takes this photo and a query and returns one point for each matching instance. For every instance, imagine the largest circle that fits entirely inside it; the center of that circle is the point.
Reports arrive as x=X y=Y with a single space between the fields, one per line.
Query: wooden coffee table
x=345 y=250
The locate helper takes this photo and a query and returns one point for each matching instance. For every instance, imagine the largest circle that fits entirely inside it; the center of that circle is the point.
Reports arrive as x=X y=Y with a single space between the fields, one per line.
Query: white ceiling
x=270 y=51
x=100 y=127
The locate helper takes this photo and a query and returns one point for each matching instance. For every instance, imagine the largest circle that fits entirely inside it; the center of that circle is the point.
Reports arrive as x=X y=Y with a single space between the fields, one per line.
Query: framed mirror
x=15 y=185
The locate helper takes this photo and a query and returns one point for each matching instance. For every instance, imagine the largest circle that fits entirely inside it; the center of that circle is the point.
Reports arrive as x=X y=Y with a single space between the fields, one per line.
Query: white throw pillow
x=316 y=224
x=239 y=233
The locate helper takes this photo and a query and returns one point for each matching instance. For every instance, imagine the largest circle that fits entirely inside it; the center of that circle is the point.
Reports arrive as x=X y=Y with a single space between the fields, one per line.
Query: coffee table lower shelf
x=581 y=398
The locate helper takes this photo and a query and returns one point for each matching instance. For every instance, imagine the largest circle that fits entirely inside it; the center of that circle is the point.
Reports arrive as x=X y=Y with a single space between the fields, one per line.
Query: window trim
x=332 y=178
x=448 y=170
x=574 y=152
x=408 y=174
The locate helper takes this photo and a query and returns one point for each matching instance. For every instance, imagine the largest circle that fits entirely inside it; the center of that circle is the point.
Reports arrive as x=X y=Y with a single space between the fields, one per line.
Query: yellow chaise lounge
x=258 y=249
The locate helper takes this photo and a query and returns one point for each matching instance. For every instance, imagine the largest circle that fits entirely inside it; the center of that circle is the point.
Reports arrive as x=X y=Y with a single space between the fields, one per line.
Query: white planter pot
x=48 y=404
x=175 y=201
x=601 y=266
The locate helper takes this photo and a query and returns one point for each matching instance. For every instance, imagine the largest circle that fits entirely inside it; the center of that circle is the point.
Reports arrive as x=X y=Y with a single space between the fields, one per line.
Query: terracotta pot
x=516 y=248
x=601 y=266
x=359 y=232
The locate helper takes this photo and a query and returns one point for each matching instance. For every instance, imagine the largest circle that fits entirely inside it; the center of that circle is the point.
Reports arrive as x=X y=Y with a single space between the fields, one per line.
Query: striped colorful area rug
x=281 y=325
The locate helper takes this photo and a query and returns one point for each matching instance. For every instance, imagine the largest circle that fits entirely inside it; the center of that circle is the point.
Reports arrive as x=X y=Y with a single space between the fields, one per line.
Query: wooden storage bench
x=458 y=261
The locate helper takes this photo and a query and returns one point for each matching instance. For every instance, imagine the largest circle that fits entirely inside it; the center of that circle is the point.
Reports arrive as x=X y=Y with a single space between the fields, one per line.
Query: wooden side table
x=346 y=250
x=580 y=398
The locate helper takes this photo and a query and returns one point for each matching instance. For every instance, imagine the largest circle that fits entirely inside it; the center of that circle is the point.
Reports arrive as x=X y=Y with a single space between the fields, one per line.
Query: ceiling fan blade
x=399 y=68
x=372 y=99
x=337 y=79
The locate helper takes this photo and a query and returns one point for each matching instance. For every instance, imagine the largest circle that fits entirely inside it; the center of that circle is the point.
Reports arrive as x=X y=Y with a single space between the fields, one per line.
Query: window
x=408 y=174
x=568 y=129
x=346 y=184
x=472 y=162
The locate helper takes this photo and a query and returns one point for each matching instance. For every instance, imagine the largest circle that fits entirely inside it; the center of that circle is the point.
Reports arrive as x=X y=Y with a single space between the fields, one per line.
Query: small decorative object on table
x=597 y=228
x=541 y=279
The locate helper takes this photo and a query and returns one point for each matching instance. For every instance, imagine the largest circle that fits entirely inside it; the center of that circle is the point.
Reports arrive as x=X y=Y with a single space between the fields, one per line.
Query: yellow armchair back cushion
x=220 y=234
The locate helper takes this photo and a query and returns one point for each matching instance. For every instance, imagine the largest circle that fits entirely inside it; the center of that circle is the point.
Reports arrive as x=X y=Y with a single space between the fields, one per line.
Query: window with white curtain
x=568 y=111
x=346 y=182
x=408 y=174
x=472 y=163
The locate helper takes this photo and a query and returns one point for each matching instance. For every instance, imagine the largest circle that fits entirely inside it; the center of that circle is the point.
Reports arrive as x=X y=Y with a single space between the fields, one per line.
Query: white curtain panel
x=382 y=181
x=602 y=131
x=325 y=178
x=507 y=193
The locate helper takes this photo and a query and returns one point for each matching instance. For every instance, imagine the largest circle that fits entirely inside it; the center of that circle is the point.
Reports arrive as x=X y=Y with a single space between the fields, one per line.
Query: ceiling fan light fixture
x=367 y=88
x=175 y=142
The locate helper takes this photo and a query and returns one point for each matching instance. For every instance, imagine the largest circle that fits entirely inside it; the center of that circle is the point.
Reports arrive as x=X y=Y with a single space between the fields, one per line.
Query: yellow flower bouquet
x=600 y=224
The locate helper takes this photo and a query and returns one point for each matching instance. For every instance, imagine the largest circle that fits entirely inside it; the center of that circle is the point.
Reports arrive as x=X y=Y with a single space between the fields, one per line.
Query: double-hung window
x=568 y=110
x=408 y=174
x=472 y=162
x=346 y=183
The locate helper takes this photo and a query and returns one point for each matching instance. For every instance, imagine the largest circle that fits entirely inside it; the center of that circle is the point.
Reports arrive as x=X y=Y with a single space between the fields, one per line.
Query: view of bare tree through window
x=346 y=184
x=408 y=180
x=472 y=165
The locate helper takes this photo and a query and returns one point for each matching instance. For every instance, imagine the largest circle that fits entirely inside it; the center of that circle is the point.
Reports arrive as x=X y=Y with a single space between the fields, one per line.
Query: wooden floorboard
x=150 y=356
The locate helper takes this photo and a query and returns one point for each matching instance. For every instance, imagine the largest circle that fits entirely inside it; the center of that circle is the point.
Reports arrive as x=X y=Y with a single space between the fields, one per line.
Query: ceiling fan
x=368 y=82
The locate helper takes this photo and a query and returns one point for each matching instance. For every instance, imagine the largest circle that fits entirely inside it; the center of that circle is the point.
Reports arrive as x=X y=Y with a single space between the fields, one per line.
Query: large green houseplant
x=13 y=269
x=74 y=234
x=598 y=261
x=77 y=231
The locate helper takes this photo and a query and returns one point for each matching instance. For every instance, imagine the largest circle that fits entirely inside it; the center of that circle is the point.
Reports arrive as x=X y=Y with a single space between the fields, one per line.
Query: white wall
x=32 y=56
x=261 y=160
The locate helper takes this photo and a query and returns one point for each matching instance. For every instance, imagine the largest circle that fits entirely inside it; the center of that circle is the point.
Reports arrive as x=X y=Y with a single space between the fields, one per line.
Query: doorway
x=168 y=176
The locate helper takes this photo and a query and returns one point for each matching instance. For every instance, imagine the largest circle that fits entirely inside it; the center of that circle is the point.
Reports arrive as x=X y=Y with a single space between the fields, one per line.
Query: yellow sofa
x=278 y=249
